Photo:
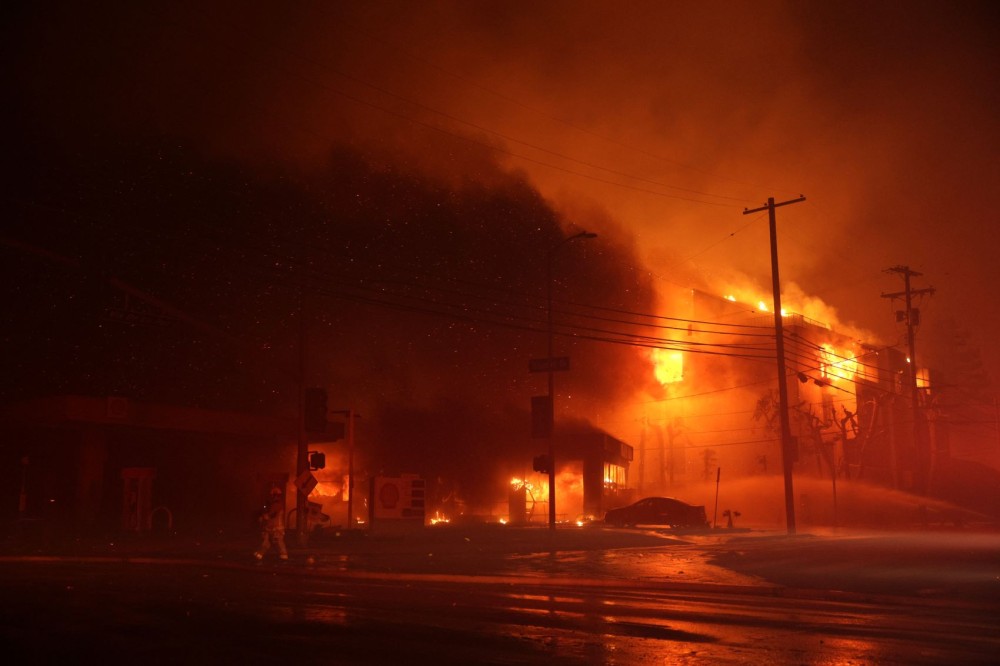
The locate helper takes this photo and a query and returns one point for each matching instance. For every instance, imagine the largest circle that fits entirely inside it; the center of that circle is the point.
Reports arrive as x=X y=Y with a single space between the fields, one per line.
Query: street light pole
x=551 y=369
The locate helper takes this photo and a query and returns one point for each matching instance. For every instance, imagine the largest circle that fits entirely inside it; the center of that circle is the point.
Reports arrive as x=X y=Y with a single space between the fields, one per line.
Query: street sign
x=546 y=364
x=305 y=482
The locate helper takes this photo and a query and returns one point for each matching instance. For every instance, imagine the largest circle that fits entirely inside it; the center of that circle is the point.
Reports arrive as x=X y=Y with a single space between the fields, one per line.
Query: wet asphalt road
x=564 y=607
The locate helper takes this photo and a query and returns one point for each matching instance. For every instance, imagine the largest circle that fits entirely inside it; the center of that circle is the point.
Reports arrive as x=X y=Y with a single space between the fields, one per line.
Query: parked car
x=658 y=511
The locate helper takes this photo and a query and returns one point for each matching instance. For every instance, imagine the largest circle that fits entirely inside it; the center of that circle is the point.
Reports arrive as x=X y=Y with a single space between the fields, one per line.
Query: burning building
x=851 y=412
x=592 y=477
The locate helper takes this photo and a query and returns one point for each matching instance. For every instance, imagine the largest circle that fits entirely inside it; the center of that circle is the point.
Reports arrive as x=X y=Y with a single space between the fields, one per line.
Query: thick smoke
x=415 y=302
x=406 y=165
x=671 y=118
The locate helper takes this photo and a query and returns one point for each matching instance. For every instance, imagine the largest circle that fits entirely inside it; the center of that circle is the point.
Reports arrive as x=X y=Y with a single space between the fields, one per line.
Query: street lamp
x=551 y=362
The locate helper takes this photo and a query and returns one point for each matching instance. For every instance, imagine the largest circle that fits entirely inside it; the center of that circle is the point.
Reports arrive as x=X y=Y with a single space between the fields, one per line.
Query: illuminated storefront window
x=614 y=476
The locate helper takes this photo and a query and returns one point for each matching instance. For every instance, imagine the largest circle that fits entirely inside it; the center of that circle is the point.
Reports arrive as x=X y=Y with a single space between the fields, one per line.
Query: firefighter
x=272 y=525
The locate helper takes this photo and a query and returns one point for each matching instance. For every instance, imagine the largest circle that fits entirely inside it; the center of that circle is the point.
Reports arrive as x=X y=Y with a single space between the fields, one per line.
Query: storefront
x=105 y=465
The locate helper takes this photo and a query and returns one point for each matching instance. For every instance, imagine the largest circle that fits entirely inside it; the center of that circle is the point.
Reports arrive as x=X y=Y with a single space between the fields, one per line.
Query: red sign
x=388 y=495
x=398 y=498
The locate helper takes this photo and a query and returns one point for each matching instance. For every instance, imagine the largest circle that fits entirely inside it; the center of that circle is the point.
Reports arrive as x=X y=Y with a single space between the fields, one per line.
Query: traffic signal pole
x=551 y=369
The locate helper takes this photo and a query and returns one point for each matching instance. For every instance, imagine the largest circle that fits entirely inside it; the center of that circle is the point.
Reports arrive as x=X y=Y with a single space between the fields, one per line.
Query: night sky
x=392 y=175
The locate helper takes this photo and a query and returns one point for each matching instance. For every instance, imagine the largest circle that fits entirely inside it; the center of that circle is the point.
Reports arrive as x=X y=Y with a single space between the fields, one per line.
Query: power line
x=723 y=240
x=488 y=316
x=522 y=322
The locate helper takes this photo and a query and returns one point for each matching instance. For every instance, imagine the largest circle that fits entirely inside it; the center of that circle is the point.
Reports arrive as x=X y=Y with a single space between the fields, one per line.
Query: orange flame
x=837 y=365
x=668 y=366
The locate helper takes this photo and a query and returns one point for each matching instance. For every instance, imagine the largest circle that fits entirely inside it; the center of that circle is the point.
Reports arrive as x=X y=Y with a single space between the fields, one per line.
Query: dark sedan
x=658 y=511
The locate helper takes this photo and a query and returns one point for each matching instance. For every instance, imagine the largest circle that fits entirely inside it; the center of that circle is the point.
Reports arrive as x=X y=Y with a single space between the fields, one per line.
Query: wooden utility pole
x=912 y=318
x=789 y=449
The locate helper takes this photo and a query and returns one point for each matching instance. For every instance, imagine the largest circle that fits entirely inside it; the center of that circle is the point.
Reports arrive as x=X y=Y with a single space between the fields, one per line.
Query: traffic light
x=317 y=460
x=540 y=464
x=314 y=416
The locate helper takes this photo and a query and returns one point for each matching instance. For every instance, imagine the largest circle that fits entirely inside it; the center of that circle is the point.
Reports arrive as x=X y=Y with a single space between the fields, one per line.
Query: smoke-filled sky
x=488 y=130
x=658 y=120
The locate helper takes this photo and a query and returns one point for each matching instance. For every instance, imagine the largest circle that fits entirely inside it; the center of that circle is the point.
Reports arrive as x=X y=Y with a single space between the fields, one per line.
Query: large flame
x=668 y=366
x=569 y=493
x=794 y=302
x=837 y=364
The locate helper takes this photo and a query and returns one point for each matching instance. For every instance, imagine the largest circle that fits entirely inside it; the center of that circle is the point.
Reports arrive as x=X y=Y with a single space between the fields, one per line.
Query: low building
x=82 y=464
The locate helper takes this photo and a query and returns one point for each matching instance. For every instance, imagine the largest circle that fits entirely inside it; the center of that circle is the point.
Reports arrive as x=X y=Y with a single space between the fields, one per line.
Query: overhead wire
x=644 y=339
x=372 y=295
x=389 y=111
x=592 y=332
x=484 y=316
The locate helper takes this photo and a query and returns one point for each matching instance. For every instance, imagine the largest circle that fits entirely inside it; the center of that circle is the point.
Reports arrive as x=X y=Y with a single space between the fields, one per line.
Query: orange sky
x=654 y=121
x=650 y=123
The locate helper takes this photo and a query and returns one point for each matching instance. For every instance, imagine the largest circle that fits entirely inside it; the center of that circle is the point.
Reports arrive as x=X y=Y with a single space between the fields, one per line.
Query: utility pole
x=789 y=452
x=912 y=318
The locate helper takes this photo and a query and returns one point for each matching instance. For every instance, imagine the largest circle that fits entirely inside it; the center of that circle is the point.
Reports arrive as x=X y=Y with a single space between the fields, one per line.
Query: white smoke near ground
x=761 y=503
